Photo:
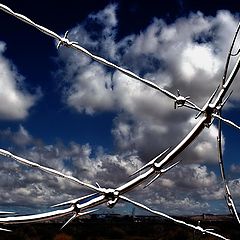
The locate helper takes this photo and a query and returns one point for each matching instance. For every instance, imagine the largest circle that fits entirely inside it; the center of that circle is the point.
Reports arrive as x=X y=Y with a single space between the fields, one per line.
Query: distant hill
x=116 y=227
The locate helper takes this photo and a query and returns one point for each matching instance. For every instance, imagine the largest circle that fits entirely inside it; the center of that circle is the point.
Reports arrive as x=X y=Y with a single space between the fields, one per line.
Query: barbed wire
x=64 y=41
x=157 y=166
x=181 y=222
x=228 y=196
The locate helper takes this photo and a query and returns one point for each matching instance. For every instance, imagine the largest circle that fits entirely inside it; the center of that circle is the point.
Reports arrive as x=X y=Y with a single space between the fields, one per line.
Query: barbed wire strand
x=71 y=44
x=46 y=169
x=198 y=228
x=228 y=196
x=64 y=41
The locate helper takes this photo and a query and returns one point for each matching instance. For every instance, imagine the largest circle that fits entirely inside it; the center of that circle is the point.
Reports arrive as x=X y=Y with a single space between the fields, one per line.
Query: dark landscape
x=124 y=227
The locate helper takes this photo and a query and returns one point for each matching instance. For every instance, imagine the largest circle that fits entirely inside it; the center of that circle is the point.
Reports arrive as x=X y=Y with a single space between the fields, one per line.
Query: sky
x=63 y=110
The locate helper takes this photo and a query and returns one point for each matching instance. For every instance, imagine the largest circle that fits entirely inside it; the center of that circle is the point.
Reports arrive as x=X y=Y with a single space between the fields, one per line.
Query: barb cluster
x=156 y=167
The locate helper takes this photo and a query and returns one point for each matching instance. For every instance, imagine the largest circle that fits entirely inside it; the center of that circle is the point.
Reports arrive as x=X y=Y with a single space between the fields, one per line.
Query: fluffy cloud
x=189 y=205
x=31 y=187
x=17 y=101
x=187 y=189
x=235 y=168
x=188 y=54
x=20 y=138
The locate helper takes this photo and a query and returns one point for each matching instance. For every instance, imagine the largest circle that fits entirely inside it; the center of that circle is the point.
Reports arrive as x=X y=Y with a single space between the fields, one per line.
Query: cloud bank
x=17 y=100
x=188 y=55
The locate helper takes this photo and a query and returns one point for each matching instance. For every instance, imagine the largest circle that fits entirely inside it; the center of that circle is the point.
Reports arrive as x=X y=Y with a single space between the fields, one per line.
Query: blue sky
x=68 y=112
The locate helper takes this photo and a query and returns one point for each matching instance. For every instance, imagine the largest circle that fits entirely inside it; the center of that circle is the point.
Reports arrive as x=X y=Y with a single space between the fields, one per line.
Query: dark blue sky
x=120 y=129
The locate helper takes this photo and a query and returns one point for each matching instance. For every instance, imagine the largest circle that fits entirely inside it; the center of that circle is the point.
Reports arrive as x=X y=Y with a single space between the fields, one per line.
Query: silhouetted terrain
x=126 y=228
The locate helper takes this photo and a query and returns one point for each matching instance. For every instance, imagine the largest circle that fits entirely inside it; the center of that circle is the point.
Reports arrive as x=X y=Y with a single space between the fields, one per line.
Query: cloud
x=83 y=100
x=234 y=186
x=195 y=176
x=192 y=189
x=17 y=101
x=187 y=189
x=28 y=186
x=188 y=54
x=19 y=138
x=235 y=168
x=189 y=205
x=84 y=75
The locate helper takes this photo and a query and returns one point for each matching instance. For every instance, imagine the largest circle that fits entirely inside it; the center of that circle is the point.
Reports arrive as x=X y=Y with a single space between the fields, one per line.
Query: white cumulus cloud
x=188 y=54
x=17 y=100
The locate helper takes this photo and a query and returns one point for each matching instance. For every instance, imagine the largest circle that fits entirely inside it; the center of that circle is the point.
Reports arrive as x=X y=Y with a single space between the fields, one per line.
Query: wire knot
x=65 y=41
x=180 y=100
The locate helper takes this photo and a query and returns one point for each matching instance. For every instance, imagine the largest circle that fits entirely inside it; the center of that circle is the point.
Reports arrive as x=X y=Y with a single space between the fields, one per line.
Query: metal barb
x=181 y=100
x=69 y=220
x=160 y=172
x=153 y=180
x=150 y=164
x=206 y=105
x=170 y=167
x=235 y=54
x=97 y=184
x=65 y=41
x=76 y=215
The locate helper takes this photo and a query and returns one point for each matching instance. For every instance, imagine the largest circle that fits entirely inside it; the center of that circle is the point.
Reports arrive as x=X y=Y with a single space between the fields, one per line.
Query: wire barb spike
x=153 y=180
x=208 y=102
x=170 y=167
x=76 y=215
x=181 y=100
x=6 y=213
x=161 y=171
x=149 y=164
x=235 y=54
x=64 y=41
x=69 y=220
